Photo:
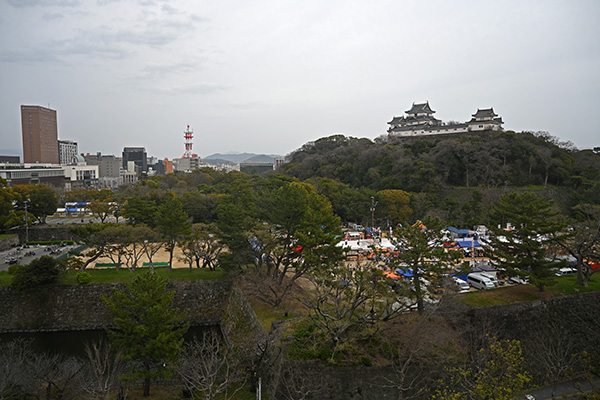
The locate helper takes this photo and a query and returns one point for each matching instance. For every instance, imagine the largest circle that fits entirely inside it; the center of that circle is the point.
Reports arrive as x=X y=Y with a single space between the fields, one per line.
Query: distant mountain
x=240 y=157
x=217 y=161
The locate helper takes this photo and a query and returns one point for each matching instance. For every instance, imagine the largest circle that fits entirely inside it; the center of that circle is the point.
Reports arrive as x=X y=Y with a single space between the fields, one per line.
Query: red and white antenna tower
x=188 y=134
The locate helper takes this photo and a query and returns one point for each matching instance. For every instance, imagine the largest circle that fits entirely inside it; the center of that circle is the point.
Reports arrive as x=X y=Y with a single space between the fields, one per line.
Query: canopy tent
x=468 y=243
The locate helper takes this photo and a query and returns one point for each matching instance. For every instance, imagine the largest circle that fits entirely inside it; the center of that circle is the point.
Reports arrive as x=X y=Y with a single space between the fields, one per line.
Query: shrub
x=12 y=270
x=40 y=272
x=83 y=277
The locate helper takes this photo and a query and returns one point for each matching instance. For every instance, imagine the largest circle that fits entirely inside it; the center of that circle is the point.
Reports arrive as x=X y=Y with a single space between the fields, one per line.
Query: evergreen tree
x=149 y=330
x=173 y=223
x=523 y=250
x=40 y=272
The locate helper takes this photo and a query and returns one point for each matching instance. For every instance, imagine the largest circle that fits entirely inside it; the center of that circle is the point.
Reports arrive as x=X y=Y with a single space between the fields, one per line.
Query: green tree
x=202 y=245
x=40 y=272
x=345 y=298
x=102 y=208
x=421 y=253
x=95 y=237
x=497 y=374
x=41 y=200
x=300 y=236
x=9 y=215
x=149 y=329
x=236 y=215
x=139 y=210
x=396 y=205
x=523 y=250
x=173 y=223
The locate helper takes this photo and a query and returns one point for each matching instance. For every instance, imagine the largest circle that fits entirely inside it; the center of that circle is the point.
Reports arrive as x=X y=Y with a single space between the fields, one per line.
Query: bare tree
x=553 y=352
x=100 y=378
x=414 y=353
x=209 y=369
x=55 y=376
x=132 y=238
x=14 y=356
x=297 y=385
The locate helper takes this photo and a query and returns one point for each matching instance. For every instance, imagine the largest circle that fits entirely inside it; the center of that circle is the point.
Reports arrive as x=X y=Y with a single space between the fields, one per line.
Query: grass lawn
x=6 y=235
x=111 y=275
x=565 y=285
x=267 y=314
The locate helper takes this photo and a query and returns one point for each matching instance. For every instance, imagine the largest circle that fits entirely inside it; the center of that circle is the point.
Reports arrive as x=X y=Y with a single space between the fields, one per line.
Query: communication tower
x=188 y=135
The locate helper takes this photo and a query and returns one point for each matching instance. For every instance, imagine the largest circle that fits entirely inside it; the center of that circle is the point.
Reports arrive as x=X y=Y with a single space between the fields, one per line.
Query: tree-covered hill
x=422 y=164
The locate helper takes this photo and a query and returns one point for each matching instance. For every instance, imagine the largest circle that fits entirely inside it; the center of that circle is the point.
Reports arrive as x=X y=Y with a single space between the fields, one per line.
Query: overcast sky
x=268 y=76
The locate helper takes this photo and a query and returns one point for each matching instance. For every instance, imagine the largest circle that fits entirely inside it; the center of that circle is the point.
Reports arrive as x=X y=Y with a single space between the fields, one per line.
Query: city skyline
x=267 y=77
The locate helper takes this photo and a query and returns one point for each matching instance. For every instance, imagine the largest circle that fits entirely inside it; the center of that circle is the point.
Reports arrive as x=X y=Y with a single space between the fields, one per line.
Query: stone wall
x=46 y=233
x=9 y=242
x=239 y=323
x=66 y=307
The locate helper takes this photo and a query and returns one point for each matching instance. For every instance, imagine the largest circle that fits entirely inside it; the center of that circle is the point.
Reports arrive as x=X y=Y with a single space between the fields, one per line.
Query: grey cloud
x=30 y=56
x=194 y=88
x=169 y=9
x=52 y=16
x=44 y=3
x=161 y=71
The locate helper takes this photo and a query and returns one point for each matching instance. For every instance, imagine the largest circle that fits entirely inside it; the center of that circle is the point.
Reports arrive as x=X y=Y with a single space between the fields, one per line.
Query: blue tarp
x=468 y=243
x=408 y=273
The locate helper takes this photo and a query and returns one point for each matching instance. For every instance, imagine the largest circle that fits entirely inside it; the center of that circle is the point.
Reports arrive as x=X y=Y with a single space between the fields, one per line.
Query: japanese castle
x=419 y=121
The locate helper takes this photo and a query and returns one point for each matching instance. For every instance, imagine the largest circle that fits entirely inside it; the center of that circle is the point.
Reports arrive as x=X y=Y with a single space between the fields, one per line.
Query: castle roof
x=413 y=119
x=427 y=127
x=420 y=108
x=485 y=113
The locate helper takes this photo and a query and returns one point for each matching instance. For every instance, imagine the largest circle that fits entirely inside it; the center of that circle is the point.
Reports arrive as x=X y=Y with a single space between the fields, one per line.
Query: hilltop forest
x=453 y=177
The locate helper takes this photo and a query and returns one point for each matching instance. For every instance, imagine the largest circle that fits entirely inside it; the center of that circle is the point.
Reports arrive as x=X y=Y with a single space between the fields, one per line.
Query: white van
x=566 y=271
x=479 y=281
x=461 y=285
x=491 y=277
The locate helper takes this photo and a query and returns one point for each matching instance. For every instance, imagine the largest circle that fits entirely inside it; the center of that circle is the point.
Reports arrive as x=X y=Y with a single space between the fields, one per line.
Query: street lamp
x=373 y=204
x=26 y=202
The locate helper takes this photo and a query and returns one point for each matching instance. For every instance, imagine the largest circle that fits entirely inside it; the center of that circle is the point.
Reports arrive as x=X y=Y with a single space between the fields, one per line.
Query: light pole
x=373 y=204
x=26 y=222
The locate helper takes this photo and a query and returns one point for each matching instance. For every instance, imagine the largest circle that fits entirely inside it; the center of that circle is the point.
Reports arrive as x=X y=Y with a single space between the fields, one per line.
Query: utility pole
x=26 y=223
x=373 y=204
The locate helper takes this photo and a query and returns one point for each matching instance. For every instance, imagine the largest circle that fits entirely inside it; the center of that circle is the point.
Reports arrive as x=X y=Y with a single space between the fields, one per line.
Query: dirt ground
x=161 y=256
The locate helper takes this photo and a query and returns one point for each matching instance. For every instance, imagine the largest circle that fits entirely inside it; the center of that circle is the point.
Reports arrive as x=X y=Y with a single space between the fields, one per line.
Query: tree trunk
x=171 y=250
x=91 y=260
x=580 y=271
x=146 y=387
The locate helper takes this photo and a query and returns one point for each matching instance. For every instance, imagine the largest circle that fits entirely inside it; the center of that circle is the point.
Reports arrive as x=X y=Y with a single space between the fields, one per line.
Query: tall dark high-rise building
x=137 y=155
x=40 y=134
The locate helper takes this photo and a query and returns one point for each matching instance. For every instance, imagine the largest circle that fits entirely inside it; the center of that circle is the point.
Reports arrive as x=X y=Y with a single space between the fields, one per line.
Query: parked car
x=461 y=285
x=566 y=271
x=517 y=280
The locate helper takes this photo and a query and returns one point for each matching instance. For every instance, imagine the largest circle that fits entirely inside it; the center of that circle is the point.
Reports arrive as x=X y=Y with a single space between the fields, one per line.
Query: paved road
x=79 y=220
x=23 y=259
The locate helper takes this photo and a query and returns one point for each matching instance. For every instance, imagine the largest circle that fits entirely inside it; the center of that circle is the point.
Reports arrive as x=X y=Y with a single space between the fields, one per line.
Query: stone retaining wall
x=67 y=307
x=46 y=233
x=9 y=242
